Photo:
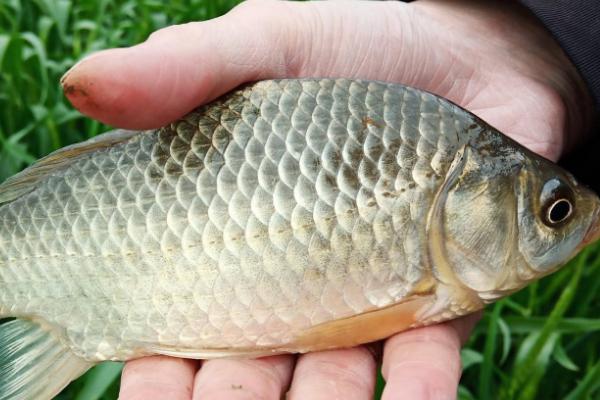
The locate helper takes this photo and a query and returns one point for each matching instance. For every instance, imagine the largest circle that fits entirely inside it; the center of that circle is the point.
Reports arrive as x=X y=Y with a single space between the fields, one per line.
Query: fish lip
x=593 y=232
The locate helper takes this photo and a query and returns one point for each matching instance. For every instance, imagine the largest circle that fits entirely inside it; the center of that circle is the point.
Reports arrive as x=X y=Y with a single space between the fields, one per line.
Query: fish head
x=557 y=216
x=505 y=217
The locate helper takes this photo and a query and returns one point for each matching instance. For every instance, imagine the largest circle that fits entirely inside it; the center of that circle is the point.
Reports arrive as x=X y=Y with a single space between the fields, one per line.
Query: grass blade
x=488 y=363
x=560 y=355
x=534 y=349
x=523 y=325
x=98 y=380
x=470 y=357
x=589 y=384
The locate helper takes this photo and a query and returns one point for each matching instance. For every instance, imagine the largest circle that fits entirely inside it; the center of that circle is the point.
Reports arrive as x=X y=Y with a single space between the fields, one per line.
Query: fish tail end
x=34 y=364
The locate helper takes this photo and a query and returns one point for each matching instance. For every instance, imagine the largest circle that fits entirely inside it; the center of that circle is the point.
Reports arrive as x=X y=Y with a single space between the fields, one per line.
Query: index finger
x=183 y=66
x=176 y=69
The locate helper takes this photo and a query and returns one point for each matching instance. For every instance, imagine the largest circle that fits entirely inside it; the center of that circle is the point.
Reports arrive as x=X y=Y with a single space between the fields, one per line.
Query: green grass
x=41 y=39
x=543 y=342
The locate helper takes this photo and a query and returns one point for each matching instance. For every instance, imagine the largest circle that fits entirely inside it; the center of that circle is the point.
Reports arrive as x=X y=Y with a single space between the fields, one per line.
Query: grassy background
x=540 y=343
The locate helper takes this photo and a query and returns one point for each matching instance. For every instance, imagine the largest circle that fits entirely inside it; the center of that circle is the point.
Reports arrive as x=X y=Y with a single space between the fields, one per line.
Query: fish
x=286 y=216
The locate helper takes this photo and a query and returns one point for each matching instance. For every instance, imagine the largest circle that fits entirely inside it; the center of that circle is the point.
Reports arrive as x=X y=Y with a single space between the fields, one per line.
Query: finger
x=336 y=374
x=263 y=378
x=158 y=377
x=424 y=363
x=183 y=66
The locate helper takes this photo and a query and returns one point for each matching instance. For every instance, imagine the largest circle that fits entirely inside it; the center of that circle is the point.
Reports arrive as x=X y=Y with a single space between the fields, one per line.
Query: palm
x=436 y=46
x=501 y=79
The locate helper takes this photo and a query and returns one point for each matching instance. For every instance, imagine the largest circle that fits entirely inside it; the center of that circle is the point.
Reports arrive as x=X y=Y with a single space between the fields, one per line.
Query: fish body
x=286 y=216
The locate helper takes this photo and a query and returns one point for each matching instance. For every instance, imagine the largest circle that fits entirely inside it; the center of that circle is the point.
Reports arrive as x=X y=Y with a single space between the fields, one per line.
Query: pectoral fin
x=363 y=328
x=208 y=354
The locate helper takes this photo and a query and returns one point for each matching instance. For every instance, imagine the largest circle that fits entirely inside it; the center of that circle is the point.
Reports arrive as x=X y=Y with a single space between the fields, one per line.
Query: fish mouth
x=593 y=232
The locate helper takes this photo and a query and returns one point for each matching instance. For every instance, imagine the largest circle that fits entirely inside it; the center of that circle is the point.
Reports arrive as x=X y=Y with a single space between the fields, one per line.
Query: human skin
x=492 y=58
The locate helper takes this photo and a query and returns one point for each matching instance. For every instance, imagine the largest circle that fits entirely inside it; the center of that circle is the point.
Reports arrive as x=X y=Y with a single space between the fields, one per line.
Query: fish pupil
x=559 y=211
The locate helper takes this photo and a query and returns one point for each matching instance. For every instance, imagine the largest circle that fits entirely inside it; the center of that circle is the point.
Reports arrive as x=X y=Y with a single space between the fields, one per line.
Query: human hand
x=495 y=62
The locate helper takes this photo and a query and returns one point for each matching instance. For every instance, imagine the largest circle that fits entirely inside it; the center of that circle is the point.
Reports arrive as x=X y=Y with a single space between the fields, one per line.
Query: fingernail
x=77 y=64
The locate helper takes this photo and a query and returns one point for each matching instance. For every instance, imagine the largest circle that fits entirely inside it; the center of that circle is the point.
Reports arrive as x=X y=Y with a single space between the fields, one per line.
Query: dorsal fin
x=26 y=180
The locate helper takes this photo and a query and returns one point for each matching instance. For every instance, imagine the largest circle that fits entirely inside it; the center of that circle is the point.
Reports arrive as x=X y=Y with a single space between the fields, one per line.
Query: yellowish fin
x=363 y=328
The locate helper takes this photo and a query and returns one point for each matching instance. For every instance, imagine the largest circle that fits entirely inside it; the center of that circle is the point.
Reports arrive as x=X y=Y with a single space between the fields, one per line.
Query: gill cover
x=473 y=225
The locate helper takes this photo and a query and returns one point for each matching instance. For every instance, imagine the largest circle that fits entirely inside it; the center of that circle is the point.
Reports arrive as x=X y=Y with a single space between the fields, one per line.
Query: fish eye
x=557 y=203
x=559 y=211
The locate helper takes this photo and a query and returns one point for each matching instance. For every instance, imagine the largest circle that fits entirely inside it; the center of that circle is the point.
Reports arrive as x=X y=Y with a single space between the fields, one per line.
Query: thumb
x=181 y=67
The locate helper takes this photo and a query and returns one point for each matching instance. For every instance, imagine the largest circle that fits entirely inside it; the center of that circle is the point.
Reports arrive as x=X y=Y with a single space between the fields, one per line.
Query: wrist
x=577 y=100
x=563 y=76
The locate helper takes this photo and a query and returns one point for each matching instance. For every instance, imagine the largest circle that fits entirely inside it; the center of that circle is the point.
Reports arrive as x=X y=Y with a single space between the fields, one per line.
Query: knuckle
x=342 y=376
x=355 y=372
x=171 y=32
x=268 y=14
x=264 y=7
x=162 y=33
x=268 y=377
x=442 y=335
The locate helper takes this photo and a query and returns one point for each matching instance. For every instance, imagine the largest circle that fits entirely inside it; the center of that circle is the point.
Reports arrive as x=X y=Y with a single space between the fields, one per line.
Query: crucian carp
x=286 y=216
